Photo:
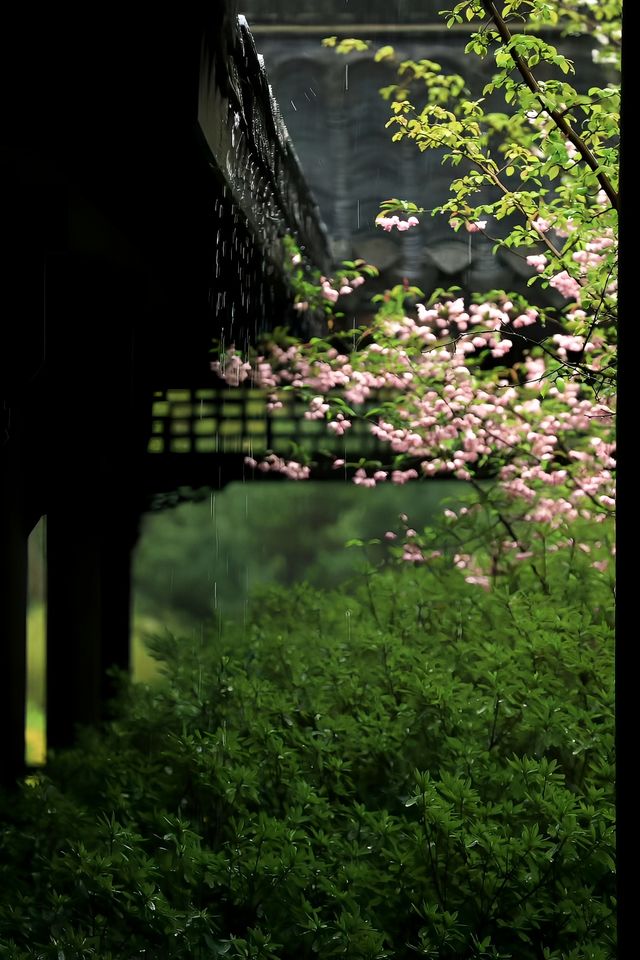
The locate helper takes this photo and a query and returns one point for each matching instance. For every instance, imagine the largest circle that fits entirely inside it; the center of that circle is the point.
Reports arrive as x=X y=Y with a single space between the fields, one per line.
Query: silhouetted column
x=92 y=306
x=22 y=353
x=13 y=606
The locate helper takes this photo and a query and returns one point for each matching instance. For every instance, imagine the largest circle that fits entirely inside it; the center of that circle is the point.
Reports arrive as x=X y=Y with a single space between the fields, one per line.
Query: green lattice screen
x=210 y=420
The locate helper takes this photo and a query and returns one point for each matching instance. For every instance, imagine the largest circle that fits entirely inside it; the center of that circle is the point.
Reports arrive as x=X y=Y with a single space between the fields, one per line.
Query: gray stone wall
x=336 y=120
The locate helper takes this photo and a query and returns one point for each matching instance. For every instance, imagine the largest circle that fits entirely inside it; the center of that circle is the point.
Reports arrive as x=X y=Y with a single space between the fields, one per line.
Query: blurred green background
x=196 y=564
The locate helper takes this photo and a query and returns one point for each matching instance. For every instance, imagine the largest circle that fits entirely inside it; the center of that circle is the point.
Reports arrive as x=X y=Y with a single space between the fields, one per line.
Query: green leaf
x=384 y=53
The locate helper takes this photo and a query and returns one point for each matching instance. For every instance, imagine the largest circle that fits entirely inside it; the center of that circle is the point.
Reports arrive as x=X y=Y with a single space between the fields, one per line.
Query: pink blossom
x=403 y=476
x=502 y=348
x=481 y=581
x=564 y=343
x=412 y=553
x=569 y=227
x=601 y=243
x=587 y=259
x=329 y=293
x=537 y=260
x=340 y=425
x=475 y=227
x=388 y=223
x=361 y=479
x=390 y=535
x=291 y=468
x=231 y=368
x=317 y=409
x=566 y=285
x=447 y=418
x=526 y=319
x=424 y=314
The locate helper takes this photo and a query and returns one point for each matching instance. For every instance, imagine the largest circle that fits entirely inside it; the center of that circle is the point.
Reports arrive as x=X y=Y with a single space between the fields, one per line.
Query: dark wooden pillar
x=88 y=617
x=74 y=637
x=92 y=306
x=13 y=601
x=22 y=352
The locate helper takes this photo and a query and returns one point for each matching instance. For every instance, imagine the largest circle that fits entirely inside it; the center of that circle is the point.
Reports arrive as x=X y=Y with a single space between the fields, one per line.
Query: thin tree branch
x=557 y=117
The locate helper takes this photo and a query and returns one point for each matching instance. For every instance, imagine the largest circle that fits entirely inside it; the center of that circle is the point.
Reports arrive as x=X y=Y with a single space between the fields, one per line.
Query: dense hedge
x=412 y=767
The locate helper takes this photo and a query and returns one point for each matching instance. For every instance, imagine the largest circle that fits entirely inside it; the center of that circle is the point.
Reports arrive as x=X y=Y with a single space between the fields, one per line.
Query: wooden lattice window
x=222 y=420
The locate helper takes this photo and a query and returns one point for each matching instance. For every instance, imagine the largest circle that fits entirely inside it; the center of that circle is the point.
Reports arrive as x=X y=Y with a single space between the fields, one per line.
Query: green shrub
x=412 y=767
x=211 y=553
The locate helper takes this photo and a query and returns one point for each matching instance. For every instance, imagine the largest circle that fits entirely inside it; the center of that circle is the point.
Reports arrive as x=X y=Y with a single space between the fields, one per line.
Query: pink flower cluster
x=554 y=458
x=340 y=425
x=541 y=225
x=587 y=259
x=398 y=477
x=317 y=409
x=525 y=319
x=231 y=368
x=274 y=464
x=569 y=227
x=329 y=292
x=565 y=342
x=362 y=480
x=388 y=223
x=537 y=260
x=566 y=285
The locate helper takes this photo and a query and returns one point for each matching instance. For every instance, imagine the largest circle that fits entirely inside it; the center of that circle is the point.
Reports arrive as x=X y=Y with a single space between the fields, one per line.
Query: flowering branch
x=556 y=115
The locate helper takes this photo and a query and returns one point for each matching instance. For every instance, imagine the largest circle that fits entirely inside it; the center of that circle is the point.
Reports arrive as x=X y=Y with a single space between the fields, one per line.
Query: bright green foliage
x=550 y=160
x=410 y=767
